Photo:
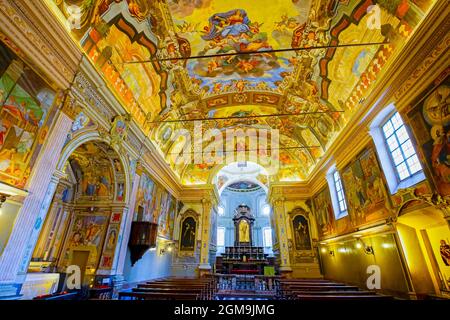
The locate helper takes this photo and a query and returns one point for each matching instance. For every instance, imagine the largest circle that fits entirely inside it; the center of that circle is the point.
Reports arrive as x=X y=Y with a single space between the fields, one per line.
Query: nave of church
x=224 y=150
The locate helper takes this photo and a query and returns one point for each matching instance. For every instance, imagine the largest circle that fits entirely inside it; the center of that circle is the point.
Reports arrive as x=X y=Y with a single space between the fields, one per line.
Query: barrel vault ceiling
x=140 y=48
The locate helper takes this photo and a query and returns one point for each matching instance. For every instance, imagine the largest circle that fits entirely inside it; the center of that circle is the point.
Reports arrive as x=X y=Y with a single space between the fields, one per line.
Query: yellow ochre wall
x=349 y=263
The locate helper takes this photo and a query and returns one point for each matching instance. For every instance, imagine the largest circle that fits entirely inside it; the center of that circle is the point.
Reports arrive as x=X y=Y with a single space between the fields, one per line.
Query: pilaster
x=43 y=181
x=205 y=265
x=280 y=227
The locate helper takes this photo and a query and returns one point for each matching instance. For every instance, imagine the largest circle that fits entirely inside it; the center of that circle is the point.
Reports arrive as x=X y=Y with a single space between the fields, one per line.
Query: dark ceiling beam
x=250 y=117
x=246 y=150
x=208 y=56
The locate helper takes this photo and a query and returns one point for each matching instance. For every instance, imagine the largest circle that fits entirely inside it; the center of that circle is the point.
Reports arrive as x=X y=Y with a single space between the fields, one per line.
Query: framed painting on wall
x=188 y=234
x=301 y=233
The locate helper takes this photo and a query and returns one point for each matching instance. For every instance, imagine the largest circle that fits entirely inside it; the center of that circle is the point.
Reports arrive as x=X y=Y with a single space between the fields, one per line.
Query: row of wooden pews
x=172 y=289
x=323 y=290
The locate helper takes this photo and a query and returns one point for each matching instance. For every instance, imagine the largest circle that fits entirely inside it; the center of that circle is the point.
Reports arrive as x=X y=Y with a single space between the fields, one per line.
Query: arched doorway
x=243 y=186
x=83 y=223
x=425 y=240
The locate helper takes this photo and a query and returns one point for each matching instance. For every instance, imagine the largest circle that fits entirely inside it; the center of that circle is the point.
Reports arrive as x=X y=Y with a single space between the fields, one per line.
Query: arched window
x=221 y=237
x=400 y=147
x=267 y=237
x=337 y=193
x=395 y=149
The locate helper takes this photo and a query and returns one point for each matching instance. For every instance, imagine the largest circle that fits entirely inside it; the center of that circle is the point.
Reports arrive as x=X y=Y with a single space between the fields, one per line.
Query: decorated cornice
x=199 y=194
x=44 y=41
x=287 y=192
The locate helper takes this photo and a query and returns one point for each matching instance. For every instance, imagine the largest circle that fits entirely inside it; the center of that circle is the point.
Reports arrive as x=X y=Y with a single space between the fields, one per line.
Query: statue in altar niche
x=244 y=234
x=243 y=222
x=301 y=233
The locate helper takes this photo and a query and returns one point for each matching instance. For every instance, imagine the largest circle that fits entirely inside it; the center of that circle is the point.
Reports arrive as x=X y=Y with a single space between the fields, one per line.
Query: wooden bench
x=175 y=290
x=290 y=284
x=157 y=296
x=335 y=293
x=168 y=285
x=322 y=288
x=171 y=289
x=325 y=290
x=343 y=297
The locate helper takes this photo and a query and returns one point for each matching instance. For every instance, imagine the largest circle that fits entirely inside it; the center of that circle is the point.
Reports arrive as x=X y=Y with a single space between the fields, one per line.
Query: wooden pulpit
x=142 y=238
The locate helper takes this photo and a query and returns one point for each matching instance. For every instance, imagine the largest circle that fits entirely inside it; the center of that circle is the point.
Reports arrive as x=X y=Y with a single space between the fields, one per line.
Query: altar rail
x=259 y=284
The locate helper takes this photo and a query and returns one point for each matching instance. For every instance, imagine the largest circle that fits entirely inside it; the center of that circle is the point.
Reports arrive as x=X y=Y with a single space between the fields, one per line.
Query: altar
x=243 y=257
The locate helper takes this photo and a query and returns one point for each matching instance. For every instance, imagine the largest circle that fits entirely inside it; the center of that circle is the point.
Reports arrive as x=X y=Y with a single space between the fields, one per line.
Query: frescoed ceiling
x=149 y=53
x=216 y=27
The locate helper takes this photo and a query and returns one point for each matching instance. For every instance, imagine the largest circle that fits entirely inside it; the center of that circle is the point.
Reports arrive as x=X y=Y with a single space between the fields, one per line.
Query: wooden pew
x=321 y=288
x=157 y=296
x=312 y=284
x=343 y=297
x=168 y=285
x=335 y=293
x=324 y=290
x=172 y=289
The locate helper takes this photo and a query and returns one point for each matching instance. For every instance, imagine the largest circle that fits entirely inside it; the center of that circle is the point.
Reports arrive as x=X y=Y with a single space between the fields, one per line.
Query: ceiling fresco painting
x=140 y=83
x=218 y=28
x=113 y=32
x=149 y=53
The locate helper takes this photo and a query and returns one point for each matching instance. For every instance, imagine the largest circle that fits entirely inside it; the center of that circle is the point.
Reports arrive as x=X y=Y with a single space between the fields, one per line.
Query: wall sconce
x=168 y=248
x=331 y=253
x=367 y=249
x=3 y=198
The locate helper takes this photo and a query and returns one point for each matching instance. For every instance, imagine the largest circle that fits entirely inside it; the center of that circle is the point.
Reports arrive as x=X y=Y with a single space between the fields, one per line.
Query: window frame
x=265 y=237
x=386 y=162
x=338 y=183
x=338 y=212
x=394 y=134
x=217 y=240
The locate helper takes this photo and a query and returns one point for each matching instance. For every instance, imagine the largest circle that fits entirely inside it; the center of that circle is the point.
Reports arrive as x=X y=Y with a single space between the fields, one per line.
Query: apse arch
x=243 y=184
x=226 y=175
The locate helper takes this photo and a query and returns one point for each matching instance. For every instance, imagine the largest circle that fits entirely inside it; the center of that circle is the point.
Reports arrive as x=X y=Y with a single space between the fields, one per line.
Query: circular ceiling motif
x=244 y=186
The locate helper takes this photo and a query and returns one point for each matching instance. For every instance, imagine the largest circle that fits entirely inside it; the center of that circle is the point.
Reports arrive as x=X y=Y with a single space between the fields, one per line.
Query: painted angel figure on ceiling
x=232 y=32
x=231 y=23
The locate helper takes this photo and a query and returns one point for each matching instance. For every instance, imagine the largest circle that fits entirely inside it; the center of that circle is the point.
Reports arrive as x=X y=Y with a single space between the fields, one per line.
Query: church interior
x=221 y=149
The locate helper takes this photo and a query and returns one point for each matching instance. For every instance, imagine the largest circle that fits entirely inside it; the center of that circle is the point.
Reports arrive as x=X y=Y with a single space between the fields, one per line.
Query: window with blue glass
x=400 y=147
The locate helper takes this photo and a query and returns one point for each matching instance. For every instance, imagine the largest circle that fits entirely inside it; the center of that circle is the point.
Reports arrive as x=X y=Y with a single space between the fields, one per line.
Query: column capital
x=278 y=201
x=58 y=174
x=68 y=105
x=206 y=201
